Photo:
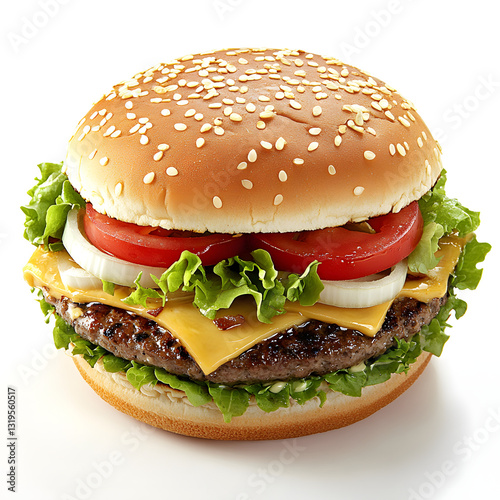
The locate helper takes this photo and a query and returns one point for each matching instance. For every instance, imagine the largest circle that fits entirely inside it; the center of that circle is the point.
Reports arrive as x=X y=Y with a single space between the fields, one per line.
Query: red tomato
x=154 y=246
x=346 y=254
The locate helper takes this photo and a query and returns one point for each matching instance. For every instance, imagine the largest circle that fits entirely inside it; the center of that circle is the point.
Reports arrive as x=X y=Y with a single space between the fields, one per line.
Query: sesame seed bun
x=169 y=409
x=251 y=140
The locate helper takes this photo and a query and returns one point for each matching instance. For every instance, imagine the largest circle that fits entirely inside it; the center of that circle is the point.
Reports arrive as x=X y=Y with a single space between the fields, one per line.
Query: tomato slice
x=343 y=253
x=154 y=246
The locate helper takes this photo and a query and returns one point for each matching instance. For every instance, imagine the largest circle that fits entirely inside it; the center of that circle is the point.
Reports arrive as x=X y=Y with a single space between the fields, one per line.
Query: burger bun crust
x=176 y=415
x=251 y=140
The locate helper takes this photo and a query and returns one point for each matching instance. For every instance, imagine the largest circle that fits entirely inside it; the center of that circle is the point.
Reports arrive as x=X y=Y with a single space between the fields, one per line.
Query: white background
x=440 y=440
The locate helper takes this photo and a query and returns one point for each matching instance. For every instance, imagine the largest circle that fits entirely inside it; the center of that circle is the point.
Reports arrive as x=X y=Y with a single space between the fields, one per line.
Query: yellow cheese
x=435 y=283
x=211 y=347
x=367 y=320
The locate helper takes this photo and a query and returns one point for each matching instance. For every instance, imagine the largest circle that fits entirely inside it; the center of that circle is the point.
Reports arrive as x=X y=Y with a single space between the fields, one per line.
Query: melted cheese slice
x=211 y=347
x=435 y=283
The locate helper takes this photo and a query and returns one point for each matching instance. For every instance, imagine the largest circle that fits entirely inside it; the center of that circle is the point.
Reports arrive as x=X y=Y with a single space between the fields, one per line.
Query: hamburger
x=250 y=244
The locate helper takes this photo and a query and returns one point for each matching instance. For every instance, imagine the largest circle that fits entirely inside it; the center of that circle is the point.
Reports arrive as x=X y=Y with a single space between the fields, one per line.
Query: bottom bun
x=169 y=409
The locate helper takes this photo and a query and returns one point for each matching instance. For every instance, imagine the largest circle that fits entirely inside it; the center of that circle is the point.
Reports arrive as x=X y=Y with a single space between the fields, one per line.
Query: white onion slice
x=76 y=277
x=367 y=291
x=100 y=264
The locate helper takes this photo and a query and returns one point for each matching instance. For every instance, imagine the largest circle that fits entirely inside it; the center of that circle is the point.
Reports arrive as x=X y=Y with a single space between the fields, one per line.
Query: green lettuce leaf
x=442 y=215
x=231 y=401
x=219 y=287
x=422 y=259
x=466 y=274
x=448 y=212
x=52 y=197
x=197 y=393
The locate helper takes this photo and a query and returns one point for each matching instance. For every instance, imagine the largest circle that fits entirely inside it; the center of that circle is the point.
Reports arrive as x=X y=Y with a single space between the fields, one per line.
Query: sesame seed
x=198 y=117
x=295 y=104
x=358 y=190
x=218 y=130
x=282 y=176
x=369 y=155
x=163 y=147
x=266 y=145
x=172 y=171
x=131 y=116
x=315 y=131
x=420 y=142
x=278 y=199
x=389 y=115
x=205 y=127
x=199 y=142
x=149 y=178
x=235 y=117
x=190 y=112
x=109 y=131
x=252 y=156
x=250 y=107
x=392 y=149
x=92 y=155
x=242 y=166
x=165 y=112
x=424 y=135
x=313 y=146
x=404 y=121
x=298 y=161
x=118 y=189
x=338 y=140
x=180 y=127
x=316 y=111
x=247 y=184
x=331 y=170
x=280 y=143
x=260 y=125
x=401 y=150
x=144 y=139
x=384 y=104
x=266 y=114
x=217 y=202
x=104 y=161
x=158 y=156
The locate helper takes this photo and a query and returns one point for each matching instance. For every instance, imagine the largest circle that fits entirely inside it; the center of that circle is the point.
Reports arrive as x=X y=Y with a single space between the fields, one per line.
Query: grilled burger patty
x=311 y=348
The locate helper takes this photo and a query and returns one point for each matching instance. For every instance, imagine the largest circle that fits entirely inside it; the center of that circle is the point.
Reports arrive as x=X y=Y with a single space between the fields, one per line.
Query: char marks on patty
x=312 y=348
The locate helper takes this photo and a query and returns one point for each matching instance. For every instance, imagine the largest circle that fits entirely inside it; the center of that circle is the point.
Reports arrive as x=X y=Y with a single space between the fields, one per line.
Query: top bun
x=251 y=140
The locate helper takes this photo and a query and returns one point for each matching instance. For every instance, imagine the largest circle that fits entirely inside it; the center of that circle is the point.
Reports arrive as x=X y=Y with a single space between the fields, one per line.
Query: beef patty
x=311 y=348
